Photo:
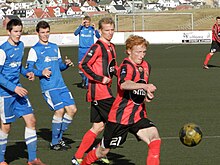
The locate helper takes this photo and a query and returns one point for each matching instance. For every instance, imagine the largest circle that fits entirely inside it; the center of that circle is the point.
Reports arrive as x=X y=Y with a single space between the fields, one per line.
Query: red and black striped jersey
x=99 y=61
x=125 y=109
x=216 y=33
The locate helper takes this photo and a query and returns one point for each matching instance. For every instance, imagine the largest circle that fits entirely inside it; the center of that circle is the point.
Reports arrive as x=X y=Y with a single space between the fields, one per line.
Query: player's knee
x=59 y=113
x=74 y=109
x=71 y=111
x=97 y=128
x=6 y=128
x=102 y=152
x=31 y=122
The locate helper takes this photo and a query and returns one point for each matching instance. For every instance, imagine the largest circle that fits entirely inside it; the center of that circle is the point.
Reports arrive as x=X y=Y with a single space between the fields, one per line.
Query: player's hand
x=150 y=89
x=106 y=80
x=30 y=76
x=68 y=62
x=83 y=22
x=21 y=91
x=46 y=72
x=149 y=98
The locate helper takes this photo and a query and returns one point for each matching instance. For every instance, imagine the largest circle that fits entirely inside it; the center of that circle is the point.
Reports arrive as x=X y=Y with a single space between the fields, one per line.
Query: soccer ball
x=190 y=134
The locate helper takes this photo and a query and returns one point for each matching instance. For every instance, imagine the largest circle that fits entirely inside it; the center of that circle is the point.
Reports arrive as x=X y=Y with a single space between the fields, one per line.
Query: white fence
x=162 y=37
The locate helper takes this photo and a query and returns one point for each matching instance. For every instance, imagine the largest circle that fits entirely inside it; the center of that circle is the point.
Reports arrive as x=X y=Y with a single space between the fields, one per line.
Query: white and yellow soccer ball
x=190 y=135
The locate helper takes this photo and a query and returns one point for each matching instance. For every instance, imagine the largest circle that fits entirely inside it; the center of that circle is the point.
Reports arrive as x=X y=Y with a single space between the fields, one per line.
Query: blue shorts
x=12 y=107
x=58 y=98
x=81 y=53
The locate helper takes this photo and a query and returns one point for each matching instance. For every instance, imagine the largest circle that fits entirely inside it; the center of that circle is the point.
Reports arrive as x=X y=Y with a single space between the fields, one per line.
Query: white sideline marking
x=173 y=46
x=128 y=139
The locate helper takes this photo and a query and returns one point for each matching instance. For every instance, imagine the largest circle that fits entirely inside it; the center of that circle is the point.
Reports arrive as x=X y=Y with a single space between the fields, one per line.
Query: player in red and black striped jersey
x=128 y=112
x=215 y=46
x=99 y=65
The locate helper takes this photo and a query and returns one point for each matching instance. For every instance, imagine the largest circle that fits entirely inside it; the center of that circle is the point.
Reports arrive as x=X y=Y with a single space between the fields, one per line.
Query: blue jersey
x=11 y=67
x=86 y=36
x=47 y=56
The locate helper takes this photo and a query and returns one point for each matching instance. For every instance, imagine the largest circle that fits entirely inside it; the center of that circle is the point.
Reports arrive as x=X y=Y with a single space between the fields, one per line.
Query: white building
x=2 y=1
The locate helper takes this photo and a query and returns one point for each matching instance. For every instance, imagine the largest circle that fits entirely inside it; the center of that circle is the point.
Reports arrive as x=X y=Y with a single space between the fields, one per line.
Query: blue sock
x=3 y=143
x=56 y=129
x=31 y=142
x=87 y=81
x=81 y=74
x=67 y=120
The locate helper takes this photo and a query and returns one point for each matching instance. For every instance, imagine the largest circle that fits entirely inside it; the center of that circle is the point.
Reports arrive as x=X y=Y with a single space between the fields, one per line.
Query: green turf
x=185 y=93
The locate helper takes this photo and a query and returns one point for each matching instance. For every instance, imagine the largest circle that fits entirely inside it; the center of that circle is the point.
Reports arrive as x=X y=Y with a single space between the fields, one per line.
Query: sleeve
x=3 y=81
x=24 y=71
x=97 y=34
x=125 y=73
x=2 y=57
x=62 y=65
x=86 y=64
x=215 y=33
x=77 y=31
x=31 y=60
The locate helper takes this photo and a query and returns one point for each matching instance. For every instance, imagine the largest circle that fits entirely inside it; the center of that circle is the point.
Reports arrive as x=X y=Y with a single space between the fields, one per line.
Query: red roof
x=39 y=13
x=76 y=8
x=51 y=9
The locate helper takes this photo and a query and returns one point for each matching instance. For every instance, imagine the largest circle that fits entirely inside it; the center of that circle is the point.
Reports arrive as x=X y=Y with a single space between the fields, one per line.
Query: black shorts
x=115 y=134
x=215 y=47
x=100 y=110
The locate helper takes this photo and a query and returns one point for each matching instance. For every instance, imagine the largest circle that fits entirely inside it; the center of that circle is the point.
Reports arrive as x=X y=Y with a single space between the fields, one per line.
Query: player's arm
x=86 y=64
x=28 y=74
x=32 y=58
x=77 y=31
x=3 y=81
x=97 y=34
x=63 y=66
x=215 y=33
x=126 y=83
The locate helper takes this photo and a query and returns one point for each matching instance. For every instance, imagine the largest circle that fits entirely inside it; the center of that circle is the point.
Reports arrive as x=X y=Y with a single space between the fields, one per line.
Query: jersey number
x=115 y=141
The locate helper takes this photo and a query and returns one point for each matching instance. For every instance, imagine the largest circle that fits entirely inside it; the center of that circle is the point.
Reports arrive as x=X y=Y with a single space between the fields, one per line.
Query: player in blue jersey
x=86 y=34
x=44 y=59
x=13 y=97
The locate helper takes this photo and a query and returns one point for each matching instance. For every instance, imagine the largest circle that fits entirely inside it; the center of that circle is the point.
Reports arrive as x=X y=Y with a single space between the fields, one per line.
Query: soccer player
x=99 y=65
x=128 y=112
x=13 y=97
x=44 y=59
x=215 y=46
x=86 y=34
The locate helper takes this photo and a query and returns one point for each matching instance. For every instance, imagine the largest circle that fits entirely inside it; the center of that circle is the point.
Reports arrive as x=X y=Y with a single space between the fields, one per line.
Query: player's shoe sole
x=205 y=67
x=57 y=147
x=64 y=144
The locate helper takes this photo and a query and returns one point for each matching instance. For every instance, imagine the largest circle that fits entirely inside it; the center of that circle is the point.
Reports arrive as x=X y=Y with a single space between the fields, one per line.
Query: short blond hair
x=106 y=20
